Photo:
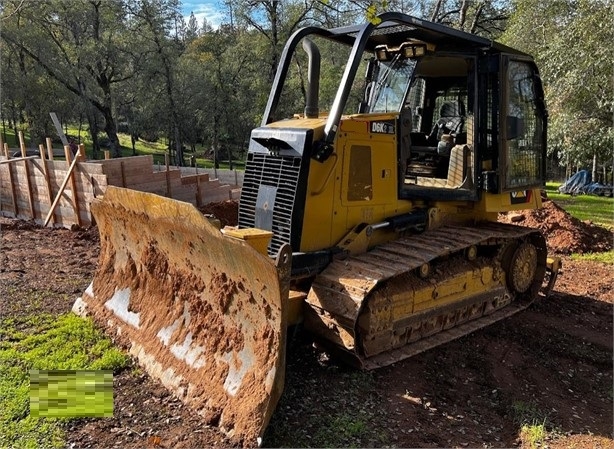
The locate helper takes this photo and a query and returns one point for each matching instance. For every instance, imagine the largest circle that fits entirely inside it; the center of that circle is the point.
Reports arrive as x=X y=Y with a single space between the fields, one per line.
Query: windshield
x=387 y=92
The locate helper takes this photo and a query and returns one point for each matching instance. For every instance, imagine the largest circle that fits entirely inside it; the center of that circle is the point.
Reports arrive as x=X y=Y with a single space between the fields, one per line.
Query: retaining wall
x=29 y=186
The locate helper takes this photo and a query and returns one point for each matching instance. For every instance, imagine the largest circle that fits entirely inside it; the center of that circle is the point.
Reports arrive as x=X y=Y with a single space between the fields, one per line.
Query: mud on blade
x=202 y=312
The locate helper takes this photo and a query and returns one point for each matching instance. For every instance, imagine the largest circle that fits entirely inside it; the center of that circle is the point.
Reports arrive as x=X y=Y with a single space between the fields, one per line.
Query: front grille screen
x=280 y=173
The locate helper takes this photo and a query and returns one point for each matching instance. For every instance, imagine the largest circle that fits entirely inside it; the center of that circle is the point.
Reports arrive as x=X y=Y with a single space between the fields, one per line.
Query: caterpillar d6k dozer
x=373 y=224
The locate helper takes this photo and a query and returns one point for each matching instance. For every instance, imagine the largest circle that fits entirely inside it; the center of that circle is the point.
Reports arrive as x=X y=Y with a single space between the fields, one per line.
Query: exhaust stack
x=313 y=79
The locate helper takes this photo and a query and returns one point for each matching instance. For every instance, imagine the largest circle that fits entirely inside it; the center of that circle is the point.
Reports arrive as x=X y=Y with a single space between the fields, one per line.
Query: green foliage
x=372 y=12
x=567 y=39
x=139 y=68
x=44 y=342
x=533 y=435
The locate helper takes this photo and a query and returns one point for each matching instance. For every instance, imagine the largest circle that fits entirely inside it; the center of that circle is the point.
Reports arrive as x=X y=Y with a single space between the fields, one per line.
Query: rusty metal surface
x=203 y=313
x=365 y=304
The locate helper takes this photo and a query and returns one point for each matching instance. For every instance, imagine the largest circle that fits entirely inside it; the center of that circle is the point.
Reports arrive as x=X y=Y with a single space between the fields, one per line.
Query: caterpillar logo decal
x=382 y=127
x=523 y=196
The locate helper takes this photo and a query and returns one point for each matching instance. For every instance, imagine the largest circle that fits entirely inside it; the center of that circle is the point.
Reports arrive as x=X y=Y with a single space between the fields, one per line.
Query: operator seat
x=451 y=120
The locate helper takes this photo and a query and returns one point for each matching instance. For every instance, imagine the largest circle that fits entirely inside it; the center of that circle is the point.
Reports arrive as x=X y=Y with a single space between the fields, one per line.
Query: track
x=417 y=292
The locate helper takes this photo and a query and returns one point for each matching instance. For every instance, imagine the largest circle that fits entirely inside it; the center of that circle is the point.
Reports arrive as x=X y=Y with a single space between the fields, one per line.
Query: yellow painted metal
x=296 y=300
x=329 y=214
x=526 y=199
x=357 y=240
x=257 y=238
x=553 y=265
x=203 y=313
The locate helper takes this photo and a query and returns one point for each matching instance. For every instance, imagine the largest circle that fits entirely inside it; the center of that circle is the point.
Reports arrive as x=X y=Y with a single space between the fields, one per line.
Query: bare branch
x=12 y=13
x=476 y=17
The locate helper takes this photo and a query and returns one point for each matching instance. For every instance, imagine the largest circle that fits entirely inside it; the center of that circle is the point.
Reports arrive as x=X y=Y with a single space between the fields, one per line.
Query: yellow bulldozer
x=369 y=218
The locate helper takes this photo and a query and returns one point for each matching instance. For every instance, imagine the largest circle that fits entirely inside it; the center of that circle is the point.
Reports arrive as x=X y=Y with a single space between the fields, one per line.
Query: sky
x=209 y=9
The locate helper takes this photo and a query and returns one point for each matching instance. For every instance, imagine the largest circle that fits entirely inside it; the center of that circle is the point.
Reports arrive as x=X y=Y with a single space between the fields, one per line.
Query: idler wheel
x=523 y=267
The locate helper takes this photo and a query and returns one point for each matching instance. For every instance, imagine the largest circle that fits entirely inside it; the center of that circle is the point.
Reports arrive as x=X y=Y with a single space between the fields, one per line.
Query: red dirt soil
x=225 y=211
x=565 y=234
x=555 y=358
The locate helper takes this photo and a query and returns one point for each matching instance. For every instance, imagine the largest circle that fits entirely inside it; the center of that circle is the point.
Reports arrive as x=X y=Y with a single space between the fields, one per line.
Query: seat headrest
x=452 y=109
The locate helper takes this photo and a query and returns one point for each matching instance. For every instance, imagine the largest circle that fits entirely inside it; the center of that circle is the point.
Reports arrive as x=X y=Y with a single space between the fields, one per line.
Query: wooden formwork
x=30 y=186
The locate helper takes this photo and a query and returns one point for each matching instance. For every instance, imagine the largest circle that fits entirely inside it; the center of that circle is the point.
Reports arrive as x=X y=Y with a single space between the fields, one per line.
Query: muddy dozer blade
x=203 y=312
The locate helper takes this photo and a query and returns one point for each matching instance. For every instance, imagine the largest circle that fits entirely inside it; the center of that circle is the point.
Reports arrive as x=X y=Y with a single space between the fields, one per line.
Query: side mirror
x=515 y=127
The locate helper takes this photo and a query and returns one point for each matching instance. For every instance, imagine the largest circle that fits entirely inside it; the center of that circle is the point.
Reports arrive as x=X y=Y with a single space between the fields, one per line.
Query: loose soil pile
x=225 y=211
x=564 y=234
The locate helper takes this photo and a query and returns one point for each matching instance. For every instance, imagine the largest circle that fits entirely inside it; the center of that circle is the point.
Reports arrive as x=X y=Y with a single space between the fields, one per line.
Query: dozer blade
x=202 y=312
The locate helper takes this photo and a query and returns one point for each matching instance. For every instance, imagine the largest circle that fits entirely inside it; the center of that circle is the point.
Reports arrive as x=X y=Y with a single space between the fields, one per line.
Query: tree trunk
x=275 y=39
x=436 y=11
x=215 y=143
x=133 y=141
x=178 y=144
x=594 y=171
x=111 y=129
x=476 y=18
x=463 y=15
x=93 y=123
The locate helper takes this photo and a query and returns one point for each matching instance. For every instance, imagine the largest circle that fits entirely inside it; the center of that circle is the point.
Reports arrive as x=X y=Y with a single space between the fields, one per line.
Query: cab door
x=523 y=124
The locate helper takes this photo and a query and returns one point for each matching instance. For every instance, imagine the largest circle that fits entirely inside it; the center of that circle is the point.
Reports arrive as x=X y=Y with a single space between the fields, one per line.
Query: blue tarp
x=581 y=182
x=576 y=183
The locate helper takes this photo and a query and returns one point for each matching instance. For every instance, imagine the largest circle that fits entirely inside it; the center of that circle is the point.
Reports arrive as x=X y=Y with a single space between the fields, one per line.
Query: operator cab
x=433 y=95
x=471 y=116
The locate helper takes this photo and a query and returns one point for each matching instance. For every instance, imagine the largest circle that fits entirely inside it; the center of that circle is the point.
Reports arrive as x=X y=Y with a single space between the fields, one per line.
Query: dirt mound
x=564 y=234
x=225 y=211
x=17 y=225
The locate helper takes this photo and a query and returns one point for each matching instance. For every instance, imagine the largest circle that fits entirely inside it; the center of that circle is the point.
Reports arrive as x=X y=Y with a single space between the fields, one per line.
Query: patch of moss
x=45 y=343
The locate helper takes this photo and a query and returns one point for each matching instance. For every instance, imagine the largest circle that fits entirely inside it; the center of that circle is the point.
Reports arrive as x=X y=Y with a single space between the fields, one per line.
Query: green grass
x=607 y=257
x=598 y=209
x=44 y=342
x=533 y=435
x=534 y=423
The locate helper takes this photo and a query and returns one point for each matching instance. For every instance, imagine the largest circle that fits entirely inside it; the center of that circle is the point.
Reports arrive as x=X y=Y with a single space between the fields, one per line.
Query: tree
x=192 y=30
x=28 y=94
x=567 y=38
x=226 y=86
x=275 y=20
x=483 y=17
x=80 y=45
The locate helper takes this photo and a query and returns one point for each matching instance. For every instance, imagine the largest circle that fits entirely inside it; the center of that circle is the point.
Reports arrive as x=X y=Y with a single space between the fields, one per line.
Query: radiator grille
x=281 y=172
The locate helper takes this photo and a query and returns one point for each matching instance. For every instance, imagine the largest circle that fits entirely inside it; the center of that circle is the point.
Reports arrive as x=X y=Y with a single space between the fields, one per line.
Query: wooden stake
x=73 y=184
x=46 y=173
x=17 y=159
x=10 y=169
x=199 y=197
x=107 y=155
x=81 y=153
x=22 y=145
x=59 y=194
x=49 y=148
x=121 y=169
